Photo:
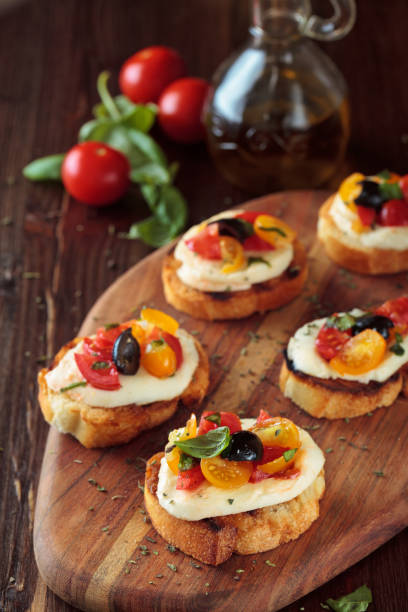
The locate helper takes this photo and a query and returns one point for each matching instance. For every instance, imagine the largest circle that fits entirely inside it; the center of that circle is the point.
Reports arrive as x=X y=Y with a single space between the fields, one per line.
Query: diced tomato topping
x=366 y=215
x=394 y=213
x=262 y=416
x=174 y=344
x=258 y=476
x=105 y=337
x=227 y=419
x=90 y=348
x=330 y=340
x=255 y=243
x=270 y=454
x=403 y=183
x=106 y=378
x=190 y=479
x=397 y=311
x=206 y=243
x=250 y=215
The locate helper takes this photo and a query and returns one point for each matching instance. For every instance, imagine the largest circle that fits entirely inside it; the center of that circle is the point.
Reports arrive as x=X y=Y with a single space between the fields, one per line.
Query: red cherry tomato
x=255 y=243
x=403 y=183
x=145 y=74
x=397 y=311
x=270 y=453
x=90 y=348
x=174 y=344
x=329 y=341
x=227 y=419
x=263 y=416
x=106 y=378
x=206 y=243
x=190 y=479
x=394 y=212
x=181 y=107
x=95 y=174
x=366 y=215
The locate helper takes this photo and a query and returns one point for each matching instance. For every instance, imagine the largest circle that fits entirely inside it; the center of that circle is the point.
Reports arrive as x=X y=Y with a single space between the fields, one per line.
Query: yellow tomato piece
x=358 y=227
x=277 y=465
x=349 y=190
x=273 y=230
x=173 y=455
x=138 y=332
x=278 y=431
x=360 y=354
x=226 y=474
x=159 y=359
x=160 y=319
x=232 y=255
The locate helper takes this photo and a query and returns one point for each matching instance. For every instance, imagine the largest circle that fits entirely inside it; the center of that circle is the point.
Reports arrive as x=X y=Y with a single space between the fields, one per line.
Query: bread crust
x=261 y=297
x=337 y=398
x=96 y=426
x=346 y=251
x=213 y=541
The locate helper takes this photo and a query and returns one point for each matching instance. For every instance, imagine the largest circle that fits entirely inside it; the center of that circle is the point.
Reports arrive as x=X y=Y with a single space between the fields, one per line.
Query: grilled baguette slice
x=213 y=540
x=348 y=252
x=337 y=398
x=268 y=295
x=99 y=427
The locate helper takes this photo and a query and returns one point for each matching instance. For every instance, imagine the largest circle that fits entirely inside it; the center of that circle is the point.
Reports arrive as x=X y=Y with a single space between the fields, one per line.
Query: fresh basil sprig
x=390 y=191
x=208 y=445
x=124 y=126
x=358 y=601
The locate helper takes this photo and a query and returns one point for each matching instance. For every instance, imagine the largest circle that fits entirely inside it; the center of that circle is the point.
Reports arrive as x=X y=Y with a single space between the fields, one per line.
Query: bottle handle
x=337 y=26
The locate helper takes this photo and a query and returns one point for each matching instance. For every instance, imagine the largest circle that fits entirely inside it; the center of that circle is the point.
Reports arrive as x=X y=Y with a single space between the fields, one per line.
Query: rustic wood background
x=51 y=53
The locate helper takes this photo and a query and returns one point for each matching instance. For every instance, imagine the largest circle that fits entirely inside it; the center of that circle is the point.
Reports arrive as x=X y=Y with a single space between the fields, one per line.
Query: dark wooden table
x=57 y=257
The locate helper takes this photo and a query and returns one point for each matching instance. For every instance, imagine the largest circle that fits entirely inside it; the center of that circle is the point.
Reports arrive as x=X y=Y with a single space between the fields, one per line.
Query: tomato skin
x=106 y=379
x=394 y=212
x=174 y=344
x=95 y=174
x=255 y=243
x=360 y=354
x=330 y=340
x=90 y=348
x=262 y=416
x=145 y=74
x=366 y=215
x=181 y=107
x=190 y=479
x=403 y=183
x=206 y=243
x=397 y=311
x=226 y=474
x=227 y=419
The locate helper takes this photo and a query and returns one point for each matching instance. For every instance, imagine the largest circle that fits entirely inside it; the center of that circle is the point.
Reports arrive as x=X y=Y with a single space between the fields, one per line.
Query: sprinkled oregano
x=269 y=563
x=172 y=567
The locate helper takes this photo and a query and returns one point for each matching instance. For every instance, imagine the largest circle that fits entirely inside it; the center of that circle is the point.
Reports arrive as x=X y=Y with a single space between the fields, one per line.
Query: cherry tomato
x=277 y=431
x=226 y=474
x=250 y=215
x=190 y=479
x=394 y=212
x=262 y=416
x=106 y=378
x=145 y=74
x=173 y=456
x=277 y=462
x=106 y=336
x=174 y=344
x=232 y=254
x=206 y=243
x=350 y=188
x=227 y=419
x=255 y=243
x=366 y=215
x=160 y=319
x=397 y=311
x=360 y=354
x=330 y=340
x=403 y=183
x=181 y=107
x=95 y=174
x=159 y=359
x=273 y=230
x=90 y=348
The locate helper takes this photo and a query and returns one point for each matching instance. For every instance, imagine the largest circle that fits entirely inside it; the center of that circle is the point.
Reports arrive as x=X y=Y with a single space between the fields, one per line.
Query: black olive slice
x=236 y=228
x=243 y=446
x=380 y=324
x=126 y=353
x=370 y=195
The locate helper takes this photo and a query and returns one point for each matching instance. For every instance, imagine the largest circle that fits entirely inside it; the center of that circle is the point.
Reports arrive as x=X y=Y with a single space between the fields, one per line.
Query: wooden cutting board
x=93 y=542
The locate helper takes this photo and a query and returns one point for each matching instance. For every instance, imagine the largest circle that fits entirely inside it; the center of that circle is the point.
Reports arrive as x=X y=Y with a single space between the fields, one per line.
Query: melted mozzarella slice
x=206 y=275
x=142 y=388
x=208 y=501
x=302 y=352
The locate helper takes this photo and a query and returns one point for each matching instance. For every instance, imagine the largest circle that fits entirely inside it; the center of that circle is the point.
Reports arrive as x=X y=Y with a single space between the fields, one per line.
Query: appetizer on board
x=233 y=265
x=350 y=363
x=106 y=388
x=232 y=485
x=364 y=226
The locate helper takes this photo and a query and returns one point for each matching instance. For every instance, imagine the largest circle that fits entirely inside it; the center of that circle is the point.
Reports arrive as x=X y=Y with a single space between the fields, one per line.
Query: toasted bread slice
x=99 y=427
x=348 y=251
x=268 y=295
x=214 y=540
x=337 y=398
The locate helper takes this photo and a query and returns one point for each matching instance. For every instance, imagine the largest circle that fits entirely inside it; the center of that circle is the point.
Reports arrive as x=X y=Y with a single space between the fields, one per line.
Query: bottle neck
x=279 y=21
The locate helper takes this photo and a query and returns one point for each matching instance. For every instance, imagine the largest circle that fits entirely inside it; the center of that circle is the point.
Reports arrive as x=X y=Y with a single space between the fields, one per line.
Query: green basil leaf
x=390 y=191
x=140 y=118
x=150 y=173
x=147 y=146
x=358 y=601
x=341 y=322
x=254 y=260
x=171 y=209
x=100 y=365
x=113 y=134
x=208 y=445
x=289 y=454
x=214 y=418
x=185 y=462
x=249 y=228
x=384 y=174
x=45 y=168
x=278 y=230
x=397 y=349
x=151 y=231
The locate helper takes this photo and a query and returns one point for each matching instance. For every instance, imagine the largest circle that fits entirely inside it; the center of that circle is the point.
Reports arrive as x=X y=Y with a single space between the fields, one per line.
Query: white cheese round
x=141 y=388
x=394 y=238
x=206 y=274
x=302 y=351
x=208 y=501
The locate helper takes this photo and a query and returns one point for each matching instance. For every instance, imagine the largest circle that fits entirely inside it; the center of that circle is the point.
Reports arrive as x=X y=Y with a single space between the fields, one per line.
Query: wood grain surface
x=51 y=54
x=96 y=549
